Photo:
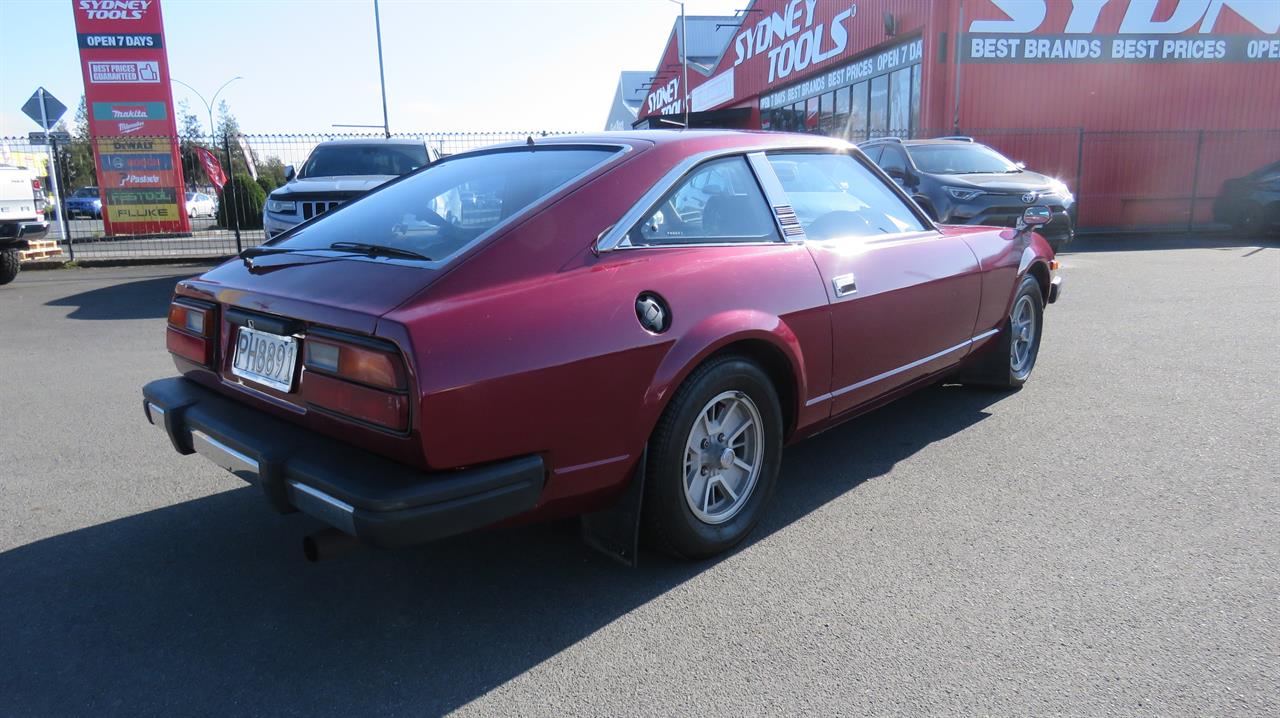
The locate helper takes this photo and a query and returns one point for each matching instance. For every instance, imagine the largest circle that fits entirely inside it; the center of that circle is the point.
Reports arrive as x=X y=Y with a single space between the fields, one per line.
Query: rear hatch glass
x=439 y=211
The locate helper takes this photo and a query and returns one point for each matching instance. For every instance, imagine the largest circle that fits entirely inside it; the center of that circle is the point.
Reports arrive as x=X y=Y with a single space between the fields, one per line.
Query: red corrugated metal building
x=1143 y=106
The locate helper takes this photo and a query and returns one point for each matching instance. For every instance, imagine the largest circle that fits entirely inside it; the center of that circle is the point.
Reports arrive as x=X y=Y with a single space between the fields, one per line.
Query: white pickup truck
x=21 y=216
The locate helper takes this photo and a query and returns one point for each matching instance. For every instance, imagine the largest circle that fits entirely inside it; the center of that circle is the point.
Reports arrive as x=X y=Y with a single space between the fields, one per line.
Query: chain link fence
x=1167 y=180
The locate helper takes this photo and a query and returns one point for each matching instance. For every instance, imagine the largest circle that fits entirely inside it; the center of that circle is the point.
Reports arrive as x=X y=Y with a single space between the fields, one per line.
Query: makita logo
x=114 y=9
x=129 y=113
x=1140 y=17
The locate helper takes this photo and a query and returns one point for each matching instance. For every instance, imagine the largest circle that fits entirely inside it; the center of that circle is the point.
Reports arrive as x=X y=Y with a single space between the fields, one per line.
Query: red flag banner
x=212 y=167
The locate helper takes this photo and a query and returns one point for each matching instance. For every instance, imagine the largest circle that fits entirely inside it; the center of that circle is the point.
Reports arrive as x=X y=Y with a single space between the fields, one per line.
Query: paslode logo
x=114 y=9
x=139 y=179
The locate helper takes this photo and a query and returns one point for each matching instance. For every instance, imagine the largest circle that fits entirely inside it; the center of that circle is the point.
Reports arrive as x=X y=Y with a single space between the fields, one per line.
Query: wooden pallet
x=40 y=249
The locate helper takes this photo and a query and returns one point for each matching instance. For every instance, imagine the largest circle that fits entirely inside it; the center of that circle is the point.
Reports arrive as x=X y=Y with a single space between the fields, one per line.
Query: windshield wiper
x=378 y=250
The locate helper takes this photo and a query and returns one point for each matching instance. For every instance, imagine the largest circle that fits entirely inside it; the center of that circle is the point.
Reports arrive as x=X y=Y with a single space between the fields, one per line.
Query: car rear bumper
x=381 y=502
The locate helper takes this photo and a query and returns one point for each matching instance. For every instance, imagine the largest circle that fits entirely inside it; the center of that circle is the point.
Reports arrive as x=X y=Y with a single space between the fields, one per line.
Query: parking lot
x=1104 y=542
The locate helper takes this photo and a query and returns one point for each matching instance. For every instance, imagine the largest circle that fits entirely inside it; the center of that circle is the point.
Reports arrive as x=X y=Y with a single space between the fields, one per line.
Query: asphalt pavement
x=1104 y=542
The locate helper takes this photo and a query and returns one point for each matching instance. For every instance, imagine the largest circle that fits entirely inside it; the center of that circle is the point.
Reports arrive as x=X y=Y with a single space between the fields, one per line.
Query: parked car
x=959 y=181
x=336 y=172
x=1251 y=203
x=200 y=204
x=591 y=340
x=21 y=217
x=84 y=202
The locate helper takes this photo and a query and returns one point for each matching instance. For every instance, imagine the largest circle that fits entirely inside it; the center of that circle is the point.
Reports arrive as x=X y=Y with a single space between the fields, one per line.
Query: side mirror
x=1037 y=216
x=1020 y=165
x=289 y=174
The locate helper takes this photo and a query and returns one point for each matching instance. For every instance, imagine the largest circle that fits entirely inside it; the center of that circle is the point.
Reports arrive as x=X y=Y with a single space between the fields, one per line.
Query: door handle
x=845 y=284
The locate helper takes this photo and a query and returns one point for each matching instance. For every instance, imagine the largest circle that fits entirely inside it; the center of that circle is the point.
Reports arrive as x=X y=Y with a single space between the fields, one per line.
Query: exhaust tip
x=328 y=544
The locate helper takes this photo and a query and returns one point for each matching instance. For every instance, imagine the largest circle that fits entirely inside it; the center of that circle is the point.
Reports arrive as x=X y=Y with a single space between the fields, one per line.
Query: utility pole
x=382 y=77
x=53 y=176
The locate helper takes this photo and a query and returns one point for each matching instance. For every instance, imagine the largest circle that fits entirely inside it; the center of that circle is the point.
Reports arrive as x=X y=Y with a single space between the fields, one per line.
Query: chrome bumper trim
x=316 y=503
x=155 y=415
x=242 y=465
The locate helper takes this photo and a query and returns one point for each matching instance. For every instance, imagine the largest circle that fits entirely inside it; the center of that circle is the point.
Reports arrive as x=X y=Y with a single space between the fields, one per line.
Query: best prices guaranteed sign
x=126 y=85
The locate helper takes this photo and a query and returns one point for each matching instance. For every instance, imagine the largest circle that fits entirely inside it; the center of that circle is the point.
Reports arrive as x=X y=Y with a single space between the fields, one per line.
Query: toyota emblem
x=1030 y=197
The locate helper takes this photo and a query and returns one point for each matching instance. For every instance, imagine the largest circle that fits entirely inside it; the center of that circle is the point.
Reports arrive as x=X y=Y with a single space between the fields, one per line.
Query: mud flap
x=615 y=532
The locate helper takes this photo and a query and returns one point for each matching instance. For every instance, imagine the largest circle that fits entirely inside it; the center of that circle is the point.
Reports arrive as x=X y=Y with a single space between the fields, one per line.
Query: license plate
x=264 y=358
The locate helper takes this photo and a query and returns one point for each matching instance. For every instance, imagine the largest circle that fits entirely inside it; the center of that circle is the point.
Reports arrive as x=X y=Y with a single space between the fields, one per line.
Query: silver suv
x=338 y=171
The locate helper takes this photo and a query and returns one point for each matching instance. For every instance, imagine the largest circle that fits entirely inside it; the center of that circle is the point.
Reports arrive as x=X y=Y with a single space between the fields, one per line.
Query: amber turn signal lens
x=1053 y=265
x=189 y=332
x=355 y=363
x=189 y=318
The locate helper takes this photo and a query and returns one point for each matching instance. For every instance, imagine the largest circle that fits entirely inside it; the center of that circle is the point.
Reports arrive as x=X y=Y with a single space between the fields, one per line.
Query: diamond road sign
x=53 y=110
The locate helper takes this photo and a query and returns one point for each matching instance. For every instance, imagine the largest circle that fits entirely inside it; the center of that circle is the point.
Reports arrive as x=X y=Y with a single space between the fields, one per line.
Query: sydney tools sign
x=126 y=85
x=1141 y=31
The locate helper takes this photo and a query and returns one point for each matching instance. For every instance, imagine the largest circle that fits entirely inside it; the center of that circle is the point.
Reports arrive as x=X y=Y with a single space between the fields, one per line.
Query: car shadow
x=206 y=607
x=140 y=299
x=1089 y=243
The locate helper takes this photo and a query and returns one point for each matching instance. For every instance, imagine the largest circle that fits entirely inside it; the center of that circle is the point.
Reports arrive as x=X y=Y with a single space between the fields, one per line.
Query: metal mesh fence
x=228 y=221
x=1169 y=179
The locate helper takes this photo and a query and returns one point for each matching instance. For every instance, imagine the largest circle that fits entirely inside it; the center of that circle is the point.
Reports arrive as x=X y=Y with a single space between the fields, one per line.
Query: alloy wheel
x=1022 y=324
x=724 y=455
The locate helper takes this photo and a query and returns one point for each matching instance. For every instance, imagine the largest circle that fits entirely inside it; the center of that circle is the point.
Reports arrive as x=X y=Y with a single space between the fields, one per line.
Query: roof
x=698 y=138
x=627 y=99
x=917 y=142
x=709 y=35
x=375 y=141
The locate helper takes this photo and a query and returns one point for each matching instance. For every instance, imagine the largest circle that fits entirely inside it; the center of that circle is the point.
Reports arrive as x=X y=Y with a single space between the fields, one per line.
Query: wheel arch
x=765 y=340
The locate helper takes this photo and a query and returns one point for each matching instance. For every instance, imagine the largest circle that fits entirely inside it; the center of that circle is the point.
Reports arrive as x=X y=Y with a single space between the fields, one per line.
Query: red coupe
x=628 y=326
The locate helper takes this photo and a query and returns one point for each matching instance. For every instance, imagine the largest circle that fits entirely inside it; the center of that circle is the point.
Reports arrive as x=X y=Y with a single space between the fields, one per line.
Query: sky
x=451 y=65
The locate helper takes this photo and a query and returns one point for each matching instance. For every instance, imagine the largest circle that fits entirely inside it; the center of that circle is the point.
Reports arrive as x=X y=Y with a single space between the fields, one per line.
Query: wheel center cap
x=726 y=458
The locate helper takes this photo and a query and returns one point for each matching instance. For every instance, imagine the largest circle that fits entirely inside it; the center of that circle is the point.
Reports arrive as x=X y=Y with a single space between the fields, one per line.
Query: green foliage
x=76 y=163
x=273 y=169
x=266 y=183
x=242 y=198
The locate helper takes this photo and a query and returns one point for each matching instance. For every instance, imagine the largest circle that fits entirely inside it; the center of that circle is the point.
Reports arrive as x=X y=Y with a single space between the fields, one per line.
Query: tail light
x=192 y=330
x=357 y=378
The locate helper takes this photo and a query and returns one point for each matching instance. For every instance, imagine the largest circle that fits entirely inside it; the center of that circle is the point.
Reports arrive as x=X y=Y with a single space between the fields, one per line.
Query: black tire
x=1249 y=221
x=668 y=521
x=995 y=366
x=9 y=265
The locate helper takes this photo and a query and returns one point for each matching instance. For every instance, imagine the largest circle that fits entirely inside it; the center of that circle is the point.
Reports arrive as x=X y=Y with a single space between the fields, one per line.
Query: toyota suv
x=338 y=171
x=959 y=181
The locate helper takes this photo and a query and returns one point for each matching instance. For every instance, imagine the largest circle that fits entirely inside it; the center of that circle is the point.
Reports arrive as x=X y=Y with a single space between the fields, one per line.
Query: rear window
x=441 y=210
x=350 y=160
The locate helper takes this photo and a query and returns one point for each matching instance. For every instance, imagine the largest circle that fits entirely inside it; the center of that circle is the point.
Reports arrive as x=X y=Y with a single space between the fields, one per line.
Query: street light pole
x=208 y=106
x=382 y=77
x=684 y=59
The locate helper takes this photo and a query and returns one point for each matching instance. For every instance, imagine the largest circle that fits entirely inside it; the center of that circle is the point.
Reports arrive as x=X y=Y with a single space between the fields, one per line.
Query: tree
x=77 y=165
x=191 y=134
x=273 y=170
x=228 y=134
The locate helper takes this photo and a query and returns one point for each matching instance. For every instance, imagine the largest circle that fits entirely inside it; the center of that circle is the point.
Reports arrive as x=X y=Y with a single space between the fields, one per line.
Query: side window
x=893 y=161
x=719 y=201
x=835 y=196
x=873 y=153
